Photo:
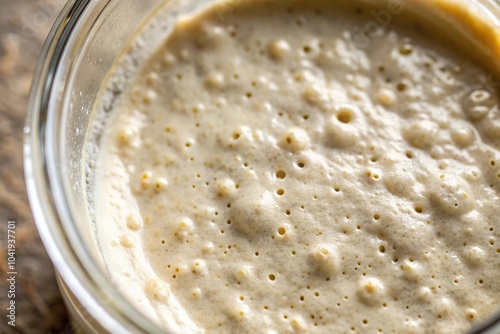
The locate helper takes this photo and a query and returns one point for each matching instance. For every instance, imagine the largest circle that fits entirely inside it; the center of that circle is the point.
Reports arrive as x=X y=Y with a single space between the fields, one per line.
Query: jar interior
x=102 y=35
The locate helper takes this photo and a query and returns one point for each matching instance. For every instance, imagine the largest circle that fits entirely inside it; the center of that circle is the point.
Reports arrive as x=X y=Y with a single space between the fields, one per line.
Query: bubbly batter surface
x=273 y=170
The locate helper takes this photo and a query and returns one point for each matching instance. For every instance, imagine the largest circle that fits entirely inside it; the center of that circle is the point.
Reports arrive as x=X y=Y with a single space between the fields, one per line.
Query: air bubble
x=344 y=116
x=325 y=258
x=295 y=139
x=370 y=289
x=279 y=49
x=478 y=104
x=161 y=184
x=402 y=87
x=405 y=49
x=134 y=222
x=127 y=240
x=471 y=314
x=451 y=194
x=226 y=187
x=280 y=174
x=421 y=134
x=157 y=289
x=317 y=95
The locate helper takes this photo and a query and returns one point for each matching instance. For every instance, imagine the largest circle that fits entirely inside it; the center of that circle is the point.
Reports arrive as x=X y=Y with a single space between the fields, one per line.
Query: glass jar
x=87 y=38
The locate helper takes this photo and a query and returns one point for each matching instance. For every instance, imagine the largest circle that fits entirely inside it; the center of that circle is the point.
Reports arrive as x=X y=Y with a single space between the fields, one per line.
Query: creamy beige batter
x=268 y=173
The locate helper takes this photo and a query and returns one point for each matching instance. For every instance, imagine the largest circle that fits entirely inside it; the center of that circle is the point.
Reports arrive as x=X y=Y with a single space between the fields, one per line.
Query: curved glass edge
x=84 y=279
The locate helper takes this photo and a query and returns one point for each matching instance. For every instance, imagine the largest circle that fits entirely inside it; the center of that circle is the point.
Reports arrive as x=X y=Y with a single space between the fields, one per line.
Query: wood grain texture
x=24 y=24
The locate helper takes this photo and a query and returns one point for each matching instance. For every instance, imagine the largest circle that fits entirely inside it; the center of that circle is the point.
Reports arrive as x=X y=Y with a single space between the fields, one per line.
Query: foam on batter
x=265 y=172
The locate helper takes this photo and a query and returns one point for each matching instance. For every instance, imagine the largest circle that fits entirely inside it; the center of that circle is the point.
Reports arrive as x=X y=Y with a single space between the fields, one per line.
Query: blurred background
x=24 y=25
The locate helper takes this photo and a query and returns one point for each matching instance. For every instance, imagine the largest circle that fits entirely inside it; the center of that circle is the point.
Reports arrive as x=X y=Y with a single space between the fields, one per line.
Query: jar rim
x=45 y=187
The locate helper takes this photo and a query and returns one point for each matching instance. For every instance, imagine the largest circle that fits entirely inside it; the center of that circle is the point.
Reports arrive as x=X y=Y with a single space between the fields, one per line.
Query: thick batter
x=276 y=167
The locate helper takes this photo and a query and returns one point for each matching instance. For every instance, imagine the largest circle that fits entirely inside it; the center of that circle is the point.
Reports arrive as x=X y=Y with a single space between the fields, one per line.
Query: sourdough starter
x=272 y=170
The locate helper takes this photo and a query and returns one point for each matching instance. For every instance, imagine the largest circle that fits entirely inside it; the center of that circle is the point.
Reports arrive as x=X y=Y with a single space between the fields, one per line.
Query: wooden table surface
x=24 y=24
